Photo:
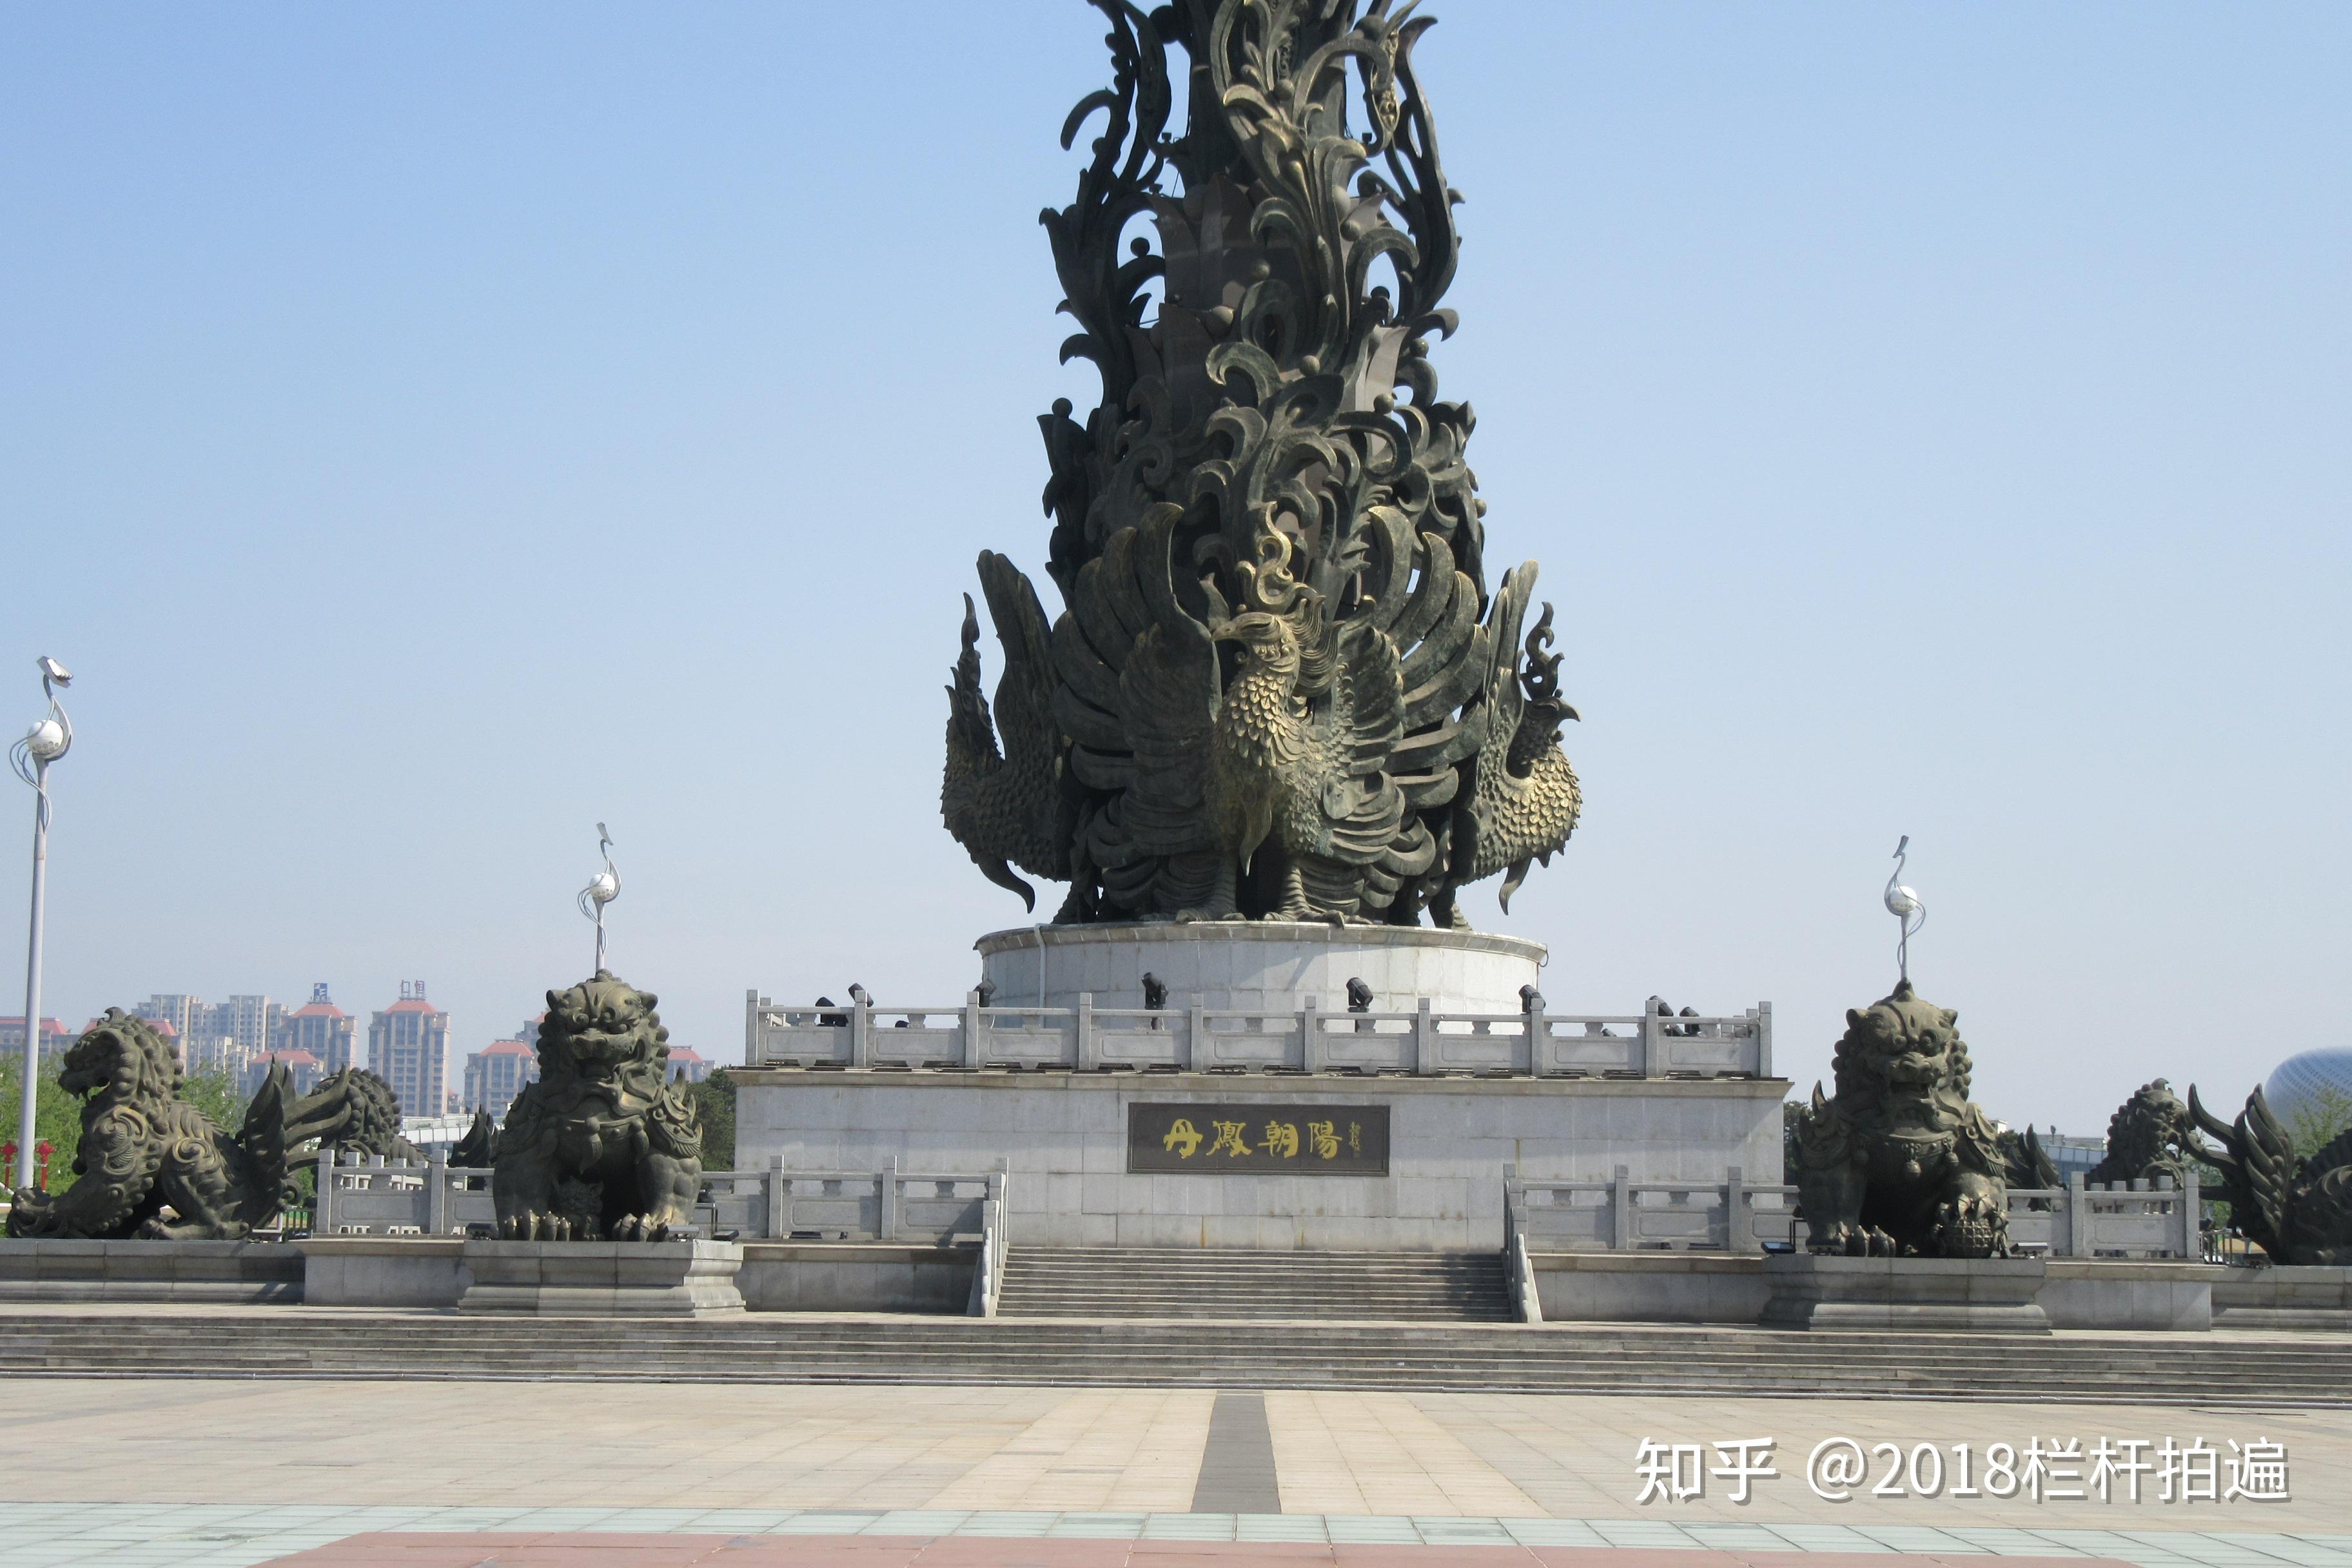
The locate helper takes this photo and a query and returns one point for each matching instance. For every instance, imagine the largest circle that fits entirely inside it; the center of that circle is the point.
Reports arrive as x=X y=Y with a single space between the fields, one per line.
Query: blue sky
x=429 y=430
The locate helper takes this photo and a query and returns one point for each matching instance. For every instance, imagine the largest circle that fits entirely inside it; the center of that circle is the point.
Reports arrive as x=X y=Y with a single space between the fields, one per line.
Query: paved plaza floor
x=428 y=1474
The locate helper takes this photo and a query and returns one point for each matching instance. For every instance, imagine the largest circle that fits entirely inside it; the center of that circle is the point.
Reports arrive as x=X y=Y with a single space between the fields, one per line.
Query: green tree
x=2317 y=1123
x=214 y=1094
x=714 y=1102
x=56 y=1118
x=1794 y=1114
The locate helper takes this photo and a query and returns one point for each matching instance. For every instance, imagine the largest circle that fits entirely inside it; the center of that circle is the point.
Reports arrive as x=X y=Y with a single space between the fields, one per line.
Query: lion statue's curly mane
x=144 y=1150
x=1900 y=1162
x=603 y=1145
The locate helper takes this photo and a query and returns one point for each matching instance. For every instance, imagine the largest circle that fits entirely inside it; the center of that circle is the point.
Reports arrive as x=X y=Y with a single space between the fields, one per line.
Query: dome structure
x=2315 y=1083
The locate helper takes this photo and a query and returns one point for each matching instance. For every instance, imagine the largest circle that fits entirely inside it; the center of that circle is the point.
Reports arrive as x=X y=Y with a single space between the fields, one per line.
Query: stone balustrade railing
x=1620 y=1215
x=1195 y=1039
x=360 y=1196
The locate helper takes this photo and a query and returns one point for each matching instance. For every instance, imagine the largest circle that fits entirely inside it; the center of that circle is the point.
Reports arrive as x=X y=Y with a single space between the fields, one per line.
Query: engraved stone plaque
x=1258 y=1139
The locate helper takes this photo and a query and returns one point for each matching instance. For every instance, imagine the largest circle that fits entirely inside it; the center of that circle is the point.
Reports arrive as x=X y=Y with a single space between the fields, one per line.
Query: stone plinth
x=1260 y=963
x=1073 y=1180
x=2289 y=1297
x=42 y=1269
x=602 y=1279
x=1992 y=1294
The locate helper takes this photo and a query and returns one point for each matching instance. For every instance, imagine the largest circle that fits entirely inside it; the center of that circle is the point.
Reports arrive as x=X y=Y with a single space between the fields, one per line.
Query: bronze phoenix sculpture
x=1278 y=686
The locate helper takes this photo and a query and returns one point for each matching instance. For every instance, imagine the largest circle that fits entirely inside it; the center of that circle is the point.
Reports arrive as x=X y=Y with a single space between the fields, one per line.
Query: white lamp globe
x=46 y=740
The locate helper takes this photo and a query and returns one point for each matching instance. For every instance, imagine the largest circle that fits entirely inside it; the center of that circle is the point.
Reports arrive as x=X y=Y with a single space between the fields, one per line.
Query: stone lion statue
x=150 y=1165
x=603 y=1145
x=2148 y=1137
x=1899 y=1164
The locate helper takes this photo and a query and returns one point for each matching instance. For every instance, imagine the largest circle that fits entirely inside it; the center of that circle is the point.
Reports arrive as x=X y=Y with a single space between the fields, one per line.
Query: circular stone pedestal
x=1242 y=965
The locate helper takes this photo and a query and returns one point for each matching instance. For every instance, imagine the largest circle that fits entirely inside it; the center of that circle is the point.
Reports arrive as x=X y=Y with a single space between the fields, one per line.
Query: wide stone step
x=1163 y=1282
x=961 y=1335
x=1191 y=1354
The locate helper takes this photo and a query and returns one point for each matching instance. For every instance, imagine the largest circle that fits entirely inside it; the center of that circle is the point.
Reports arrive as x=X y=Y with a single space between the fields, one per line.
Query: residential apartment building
x=249 y=1022
x=688 y=1066
x=54 y=1038
x=183 y=1012
x=222 y=1037
x=408 y=1047
x=303 y=1071
x=321 y=1028
x=496 y=1074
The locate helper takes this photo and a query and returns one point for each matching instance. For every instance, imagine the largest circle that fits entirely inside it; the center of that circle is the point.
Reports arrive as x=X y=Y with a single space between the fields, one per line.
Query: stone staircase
x=1193 y=1282
x=263 y=1342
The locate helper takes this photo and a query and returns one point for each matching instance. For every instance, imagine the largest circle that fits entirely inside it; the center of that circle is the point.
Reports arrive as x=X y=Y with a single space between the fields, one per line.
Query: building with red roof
x=408 y=1047
x=54 y=1037
x=496 y=1074
x=303 y=1069
x=321 y=1028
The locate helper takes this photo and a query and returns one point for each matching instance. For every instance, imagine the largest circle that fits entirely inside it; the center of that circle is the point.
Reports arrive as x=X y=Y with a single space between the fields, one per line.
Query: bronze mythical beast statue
x=1278 y=686
x=1899 y=1162
x=2150 y=1136
x=2297 y=1209
x=146 y=1153
x=603 y=1145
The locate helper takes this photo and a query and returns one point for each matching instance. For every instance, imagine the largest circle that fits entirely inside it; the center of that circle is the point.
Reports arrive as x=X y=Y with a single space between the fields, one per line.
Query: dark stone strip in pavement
x=1237 y=1462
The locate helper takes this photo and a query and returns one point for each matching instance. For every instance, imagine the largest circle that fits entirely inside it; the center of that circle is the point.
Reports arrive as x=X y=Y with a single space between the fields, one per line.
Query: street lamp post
x=43 y=743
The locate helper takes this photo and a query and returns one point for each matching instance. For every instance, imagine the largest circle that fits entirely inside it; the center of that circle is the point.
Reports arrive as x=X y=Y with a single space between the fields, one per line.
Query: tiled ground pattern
x=875 y=1475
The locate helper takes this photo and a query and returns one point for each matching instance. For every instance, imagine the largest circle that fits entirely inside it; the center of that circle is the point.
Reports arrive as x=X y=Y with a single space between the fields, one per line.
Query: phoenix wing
x=1137 y=697
x=1012 y=807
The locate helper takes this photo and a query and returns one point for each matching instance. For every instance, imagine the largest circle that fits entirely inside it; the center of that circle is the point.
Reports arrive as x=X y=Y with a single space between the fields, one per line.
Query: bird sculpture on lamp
x=601 y=890
x=1903 y=903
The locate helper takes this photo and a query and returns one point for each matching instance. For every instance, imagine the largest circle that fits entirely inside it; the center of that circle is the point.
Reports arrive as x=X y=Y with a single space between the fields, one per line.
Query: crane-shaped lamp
x=1902 y=904
x=601 y=890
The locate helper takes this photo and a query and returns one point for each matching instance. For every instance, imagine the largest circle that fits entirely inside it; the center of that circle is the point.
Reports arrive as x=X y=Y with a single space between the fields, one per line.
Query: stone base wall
x=1062 y=1136
x=384 y=1270
x=1719 y=1287
x=774 y=1276
x=602 y=1279
x=228 y=1271
x=2270 y=1299
x=1650 y=1287
x=1260 y=963
x=2087 y=1293
x=851 y=1277
x=1933 y=1294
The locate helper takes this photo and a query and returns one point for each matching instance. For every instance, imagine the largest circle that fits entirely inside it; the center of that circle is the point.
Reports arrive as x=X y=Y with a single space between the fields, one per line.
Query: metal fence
x=1314 y=1039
